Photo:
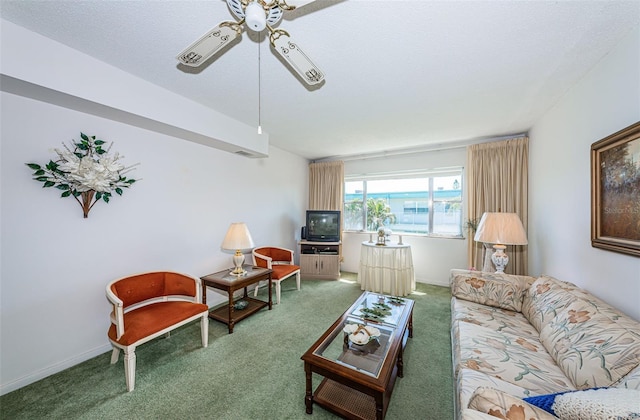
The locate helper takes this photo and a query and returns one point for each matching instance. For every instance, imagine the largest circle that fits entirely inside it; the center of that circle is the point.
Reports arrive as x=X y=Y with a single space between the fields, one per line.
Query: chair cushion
x=145 y=286
x=177 y=284
x=148 y=320
x=283 y=271
x=276 y=254
x=260 y=262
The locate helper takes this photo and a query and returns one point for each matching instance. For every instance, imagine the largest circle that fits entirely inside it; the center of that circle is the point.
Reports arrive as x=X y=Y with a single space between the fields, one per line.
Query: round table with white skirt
x=386 y=269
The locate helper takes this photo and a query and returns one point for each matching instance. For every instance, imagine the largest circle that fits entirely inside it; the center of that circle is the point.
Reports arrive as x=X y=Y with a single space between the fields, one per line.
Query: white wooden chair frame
x=117 y=318
x=270 y=264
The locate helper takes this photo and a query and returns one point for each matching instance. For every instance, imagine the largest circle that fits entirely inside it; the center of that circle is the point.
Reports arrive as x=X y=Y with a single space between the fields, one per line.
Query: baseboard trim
x=50 y=370
x=444 y=283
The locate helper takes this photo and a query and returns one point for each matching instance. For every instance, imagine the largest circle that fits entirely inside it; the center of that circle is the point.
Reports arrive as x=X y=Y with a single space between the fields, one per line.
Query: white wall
x=67 y=77
x=55 y=264
x=606 y=100
x=433 y=258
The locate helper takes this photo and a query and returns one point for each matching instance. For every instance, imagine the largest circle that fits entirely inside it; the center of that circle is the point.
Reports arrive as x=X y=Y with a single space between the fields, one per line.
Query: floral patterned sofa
x=515 y=337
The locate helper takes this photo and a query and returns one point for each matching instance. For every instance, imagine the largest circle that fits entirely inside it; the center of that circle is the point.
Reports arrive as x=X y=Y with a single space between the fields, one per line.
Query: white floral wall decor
x=86 y=171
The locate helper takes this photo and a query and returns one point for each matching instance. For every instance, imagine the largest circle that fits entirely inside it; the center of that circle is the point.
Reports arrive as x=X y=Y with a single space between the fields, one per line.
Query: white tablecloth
x=386 y=269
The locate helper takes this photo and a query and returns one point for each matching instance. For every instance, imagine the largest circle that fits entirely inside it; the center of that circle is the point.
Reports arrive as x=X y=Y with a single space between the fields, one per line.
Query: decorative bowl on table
x=240 y=305
x=361 y=334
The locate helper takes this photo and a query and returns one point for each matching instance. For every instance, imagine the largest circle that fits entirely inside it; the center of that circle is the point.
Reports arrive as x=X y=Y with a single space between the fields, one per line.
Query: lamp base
x=499 y=258
x=238 y=260
x=238 y=272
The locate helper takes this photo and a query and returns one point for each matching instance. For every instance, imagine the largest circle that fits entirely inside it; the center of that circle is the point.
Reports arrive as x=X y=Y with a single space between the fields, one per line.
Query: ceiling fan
x=256 y=15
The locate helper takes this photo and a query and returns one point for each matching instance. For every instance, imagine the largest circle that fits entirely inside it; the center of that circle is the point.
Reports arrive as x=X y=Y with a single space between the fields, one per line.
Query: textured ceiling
x=399 y=74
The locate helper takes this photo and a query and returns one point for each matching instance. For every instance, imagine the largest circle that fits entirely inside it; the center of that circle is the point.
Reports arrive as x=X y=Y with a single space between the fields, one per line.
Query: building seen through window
x=428 y=205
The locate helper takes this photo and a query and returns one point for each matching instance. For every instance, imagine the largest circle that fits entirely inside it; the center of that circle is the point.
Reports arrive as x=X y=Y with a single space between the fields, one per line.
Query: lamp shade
x=501 y=228
x=237 y=238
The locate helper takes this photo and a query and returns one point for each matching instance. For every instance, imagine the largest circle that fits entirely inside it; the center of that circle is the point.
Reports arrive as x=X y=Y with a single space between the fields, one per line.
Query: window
x=427 y=203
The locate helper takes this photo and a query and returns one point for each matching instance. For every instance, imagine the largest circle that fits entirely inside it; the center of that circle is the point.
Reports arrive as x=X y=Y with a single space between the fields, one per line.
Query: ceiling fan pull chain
x=259 y=92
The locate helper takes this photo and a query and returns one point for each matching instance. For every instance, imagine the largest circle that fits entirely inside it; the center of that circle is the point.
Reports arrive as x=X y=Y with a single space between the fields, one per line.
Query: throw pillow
x=493 y=289
x=595 y=403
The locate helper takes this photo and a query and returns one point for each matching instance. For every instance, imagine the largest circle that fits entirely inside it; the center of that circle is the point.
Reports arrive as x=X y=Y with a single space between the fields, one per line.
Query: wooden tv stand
x=320 y=260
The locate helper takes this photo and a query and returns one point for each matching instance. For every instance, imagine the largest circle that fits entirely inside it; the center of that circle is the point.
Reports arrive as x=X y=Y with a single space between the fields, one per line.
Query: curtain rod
x=426 y=148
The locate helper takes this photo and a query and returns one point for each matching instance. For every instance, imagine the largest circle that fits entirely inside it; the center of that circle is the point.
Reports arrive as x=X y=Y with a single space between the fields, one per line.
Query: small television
x=323 y=226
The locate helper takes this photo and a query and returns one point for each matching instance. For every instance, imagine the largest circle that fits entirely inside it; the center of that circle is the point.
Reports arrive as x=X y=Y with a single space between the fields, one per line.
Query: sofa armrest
x=504 y=291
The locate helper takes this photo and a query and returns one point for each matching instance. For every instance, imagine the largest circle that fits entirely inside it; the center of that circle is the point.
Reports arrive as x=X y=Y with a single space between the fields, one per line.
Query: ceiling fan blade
x=295 y=57
x=209 y=44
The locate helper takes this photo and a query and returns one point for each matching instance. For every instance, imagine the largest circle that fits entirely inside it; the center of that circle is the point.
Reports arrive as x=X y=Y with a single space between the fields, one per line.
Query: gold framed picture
x=615 y=191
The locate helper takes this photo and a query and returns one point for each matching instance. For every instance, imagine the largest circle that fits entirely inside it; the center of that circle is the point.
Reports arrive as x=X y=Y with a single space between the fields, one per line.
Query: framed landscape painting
x=615 y=191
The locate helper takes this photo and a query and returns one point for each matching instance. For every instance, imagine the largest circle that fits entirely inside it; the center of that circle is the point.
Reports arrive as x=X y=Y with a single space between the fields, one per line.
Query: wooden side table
x=222 y=280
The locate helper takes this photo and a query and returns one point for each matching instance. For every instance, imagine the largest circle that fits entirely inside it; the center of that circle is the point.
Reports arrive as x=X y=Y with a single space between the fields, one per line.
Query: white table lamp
x=238 y=241
x=500 y=229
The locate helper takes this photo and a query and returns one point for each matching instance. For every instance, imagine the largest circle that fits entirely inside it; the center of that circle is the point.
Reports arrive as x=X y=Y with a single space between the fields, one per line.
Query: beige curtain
x=497 y=175
x=326 y=185
x=326 y=189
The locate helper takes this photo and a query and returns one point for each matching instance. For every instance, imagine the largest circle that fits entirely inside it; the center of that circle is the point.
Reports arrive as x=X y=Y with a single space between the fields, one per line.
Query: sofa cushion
x=595 y=404
x=469 y=414
x=468 y=380
x=521 y=360
x=544 y=298
x=496 y=319
x=505 y=406
x=493 y=289
x=592 y=348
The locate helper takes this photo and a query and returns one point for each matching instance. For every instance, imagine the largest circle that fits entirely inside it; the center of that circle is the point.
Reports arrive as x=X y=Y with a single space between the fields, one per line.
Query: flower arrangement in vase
x=86 y=171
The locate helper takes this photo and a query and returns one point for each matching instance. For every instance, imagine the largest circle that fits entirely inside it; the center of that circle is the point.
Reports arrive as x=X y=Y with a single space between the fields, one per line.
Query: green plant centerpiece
x=86 y=171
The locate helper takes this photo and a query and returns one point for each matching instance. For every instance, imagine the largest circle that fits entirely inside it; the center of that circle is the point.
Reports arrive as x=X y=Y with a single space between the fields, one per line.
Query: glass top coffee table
x=360 y=356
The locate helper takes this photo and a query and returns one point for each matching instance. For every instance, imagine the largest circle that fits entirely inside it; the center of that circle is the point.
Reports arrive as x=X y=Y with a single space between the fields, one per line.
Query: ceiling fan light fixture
x=255 y=17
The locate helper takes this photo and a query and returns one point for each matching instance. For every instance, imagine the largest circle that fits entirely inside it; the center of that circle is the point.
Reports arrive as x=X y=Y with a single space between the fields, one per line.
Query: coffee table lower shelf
x=345 y=401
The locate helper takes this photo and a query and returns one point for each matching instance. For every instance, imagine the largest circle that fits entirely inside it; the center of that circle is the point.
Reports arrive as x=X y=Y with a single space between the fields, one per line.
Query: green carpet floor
x=254 y=373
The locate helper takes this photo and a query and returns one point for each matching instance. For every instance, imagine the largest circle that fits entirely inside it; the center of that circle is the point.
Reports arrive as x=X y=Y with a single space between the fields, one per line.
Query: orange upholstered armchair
x=280 y=260
x=148 y=305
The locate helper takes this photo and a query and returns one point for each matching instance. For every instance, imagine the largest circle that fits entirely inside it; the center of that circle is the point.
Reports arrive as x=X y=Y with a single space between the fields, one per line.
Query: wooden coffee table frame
x=348 y=392
x=229 y=283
